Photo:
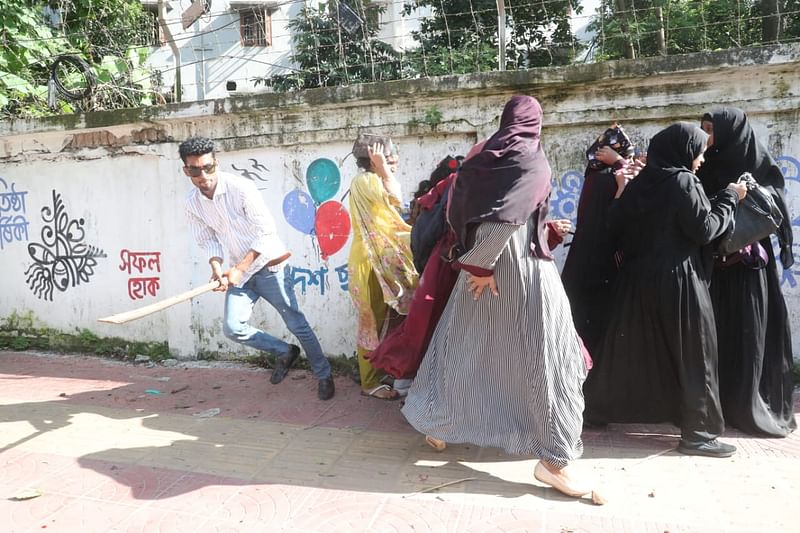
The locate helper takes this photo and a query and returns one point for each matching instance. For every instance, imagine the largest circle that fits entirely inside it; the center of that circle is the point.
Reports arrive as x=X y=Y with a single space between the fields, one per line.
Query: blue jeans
x=275 y=288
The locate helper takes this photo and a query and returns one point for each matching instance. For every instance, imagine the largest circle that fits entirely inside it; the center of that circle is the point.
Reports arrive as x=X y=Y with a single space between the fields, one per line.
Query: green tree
x=327 y=54
x=27 y=47
x=109 y=35
x=656 y=27
x=100 y=28
x=461 y=36
x=792 y=20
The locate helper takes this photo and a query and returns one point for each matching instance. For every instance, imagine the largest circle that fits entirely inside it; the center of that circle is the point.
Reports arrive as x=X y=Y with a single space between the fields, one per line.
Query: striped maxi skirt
x=505 y=371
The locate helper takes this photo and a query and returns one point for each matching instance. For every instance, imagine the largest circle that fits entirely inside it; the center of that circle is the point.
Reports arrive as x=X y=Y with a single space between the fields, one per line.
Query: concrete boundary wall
x=91 y=206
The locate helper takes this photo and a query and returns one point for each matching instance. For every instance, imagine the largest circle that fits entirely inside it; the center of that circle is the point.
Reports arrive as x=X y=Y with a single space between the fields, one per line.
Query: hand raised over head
x=377 y=156
x=607 y=155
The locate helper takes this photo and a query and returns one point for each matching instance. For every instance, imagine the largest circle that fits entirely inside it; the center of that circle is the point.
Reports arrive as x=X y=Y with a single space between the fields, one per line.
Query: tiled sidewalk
x=116 y=447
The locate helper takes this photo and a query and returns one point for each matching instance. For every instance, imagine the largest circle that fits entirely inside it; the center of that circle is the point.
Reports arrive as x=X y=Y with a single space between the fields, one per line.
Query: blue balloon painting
x=300 y=211
x=323 y=179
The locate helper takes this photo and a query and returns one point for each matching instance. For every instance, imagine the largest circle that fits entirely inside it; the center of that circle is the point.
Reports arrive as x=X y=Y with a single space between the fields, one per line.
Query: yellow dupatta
x=381 y=244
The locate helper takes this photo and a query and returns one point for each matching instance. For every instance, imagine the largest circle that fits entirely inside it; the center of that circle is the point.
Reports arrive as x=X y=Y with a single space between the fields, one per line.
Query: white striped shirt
x=235 y=220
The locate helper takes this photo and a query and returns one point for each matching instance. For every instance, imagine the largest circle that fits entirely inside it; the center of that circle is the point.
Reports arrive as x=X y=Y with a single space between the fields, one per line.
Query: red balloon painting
x=332 y=227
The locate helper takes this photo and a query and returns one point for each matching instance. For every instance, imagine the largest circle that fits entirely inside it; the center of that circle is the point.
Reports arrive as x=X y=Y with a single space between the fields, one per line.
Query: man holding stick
x=227 y=211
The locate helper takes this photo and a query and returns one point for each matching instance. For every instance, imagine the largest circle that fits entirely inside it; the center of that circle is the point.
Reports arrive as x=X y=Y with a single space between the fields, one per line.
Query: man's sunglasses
x=197 y=171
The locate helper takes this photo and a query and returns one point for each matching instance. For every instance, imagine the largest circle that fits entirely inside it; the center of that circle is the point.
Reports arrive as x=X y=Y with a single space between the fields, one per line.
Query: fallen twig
x=429 y=489
x=653 y=456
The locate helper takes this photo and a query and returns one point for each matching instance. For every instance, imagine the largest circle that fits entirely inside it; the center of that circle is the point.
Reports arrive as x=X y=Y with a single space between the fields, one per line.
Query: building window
x=255 y=26
x=374 y=13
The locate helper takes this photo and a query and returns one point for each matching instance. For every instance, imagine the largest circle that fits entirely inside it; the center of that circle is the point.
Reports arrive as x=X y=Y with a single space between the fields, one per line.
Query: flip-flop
x=372 y=393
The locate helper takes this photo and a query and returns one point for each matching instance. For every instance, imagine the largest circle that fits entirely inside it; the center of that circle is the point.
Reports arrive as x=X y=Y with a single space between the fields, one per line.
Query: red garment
x=401 y=351
x=553 y=238
x=432 y=197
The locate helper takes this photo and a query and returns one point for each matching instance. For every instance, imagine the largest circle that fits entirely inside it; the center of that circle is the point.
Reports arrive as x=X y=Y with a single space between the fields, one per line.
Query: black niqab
x=736 y=150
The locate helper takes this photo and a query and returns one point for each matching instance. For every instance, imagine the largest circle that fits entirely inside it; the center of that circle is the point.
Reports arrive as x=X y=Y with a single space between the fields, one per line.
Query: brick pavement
x=108 y=455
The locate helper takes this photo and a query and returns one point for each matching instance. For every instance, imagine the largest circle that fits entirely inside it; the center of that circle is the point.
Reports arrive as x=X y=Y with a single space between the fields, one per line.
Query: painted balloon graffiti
x=322 y=179
x=332 y=227
x=317 y=213
x=299 y=211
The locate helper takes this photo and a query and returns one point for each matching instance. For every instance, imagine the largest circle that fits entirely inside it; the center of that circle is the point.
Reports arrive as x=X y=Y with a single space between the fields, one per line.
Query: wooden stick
x=134 y=314
x=443 y=485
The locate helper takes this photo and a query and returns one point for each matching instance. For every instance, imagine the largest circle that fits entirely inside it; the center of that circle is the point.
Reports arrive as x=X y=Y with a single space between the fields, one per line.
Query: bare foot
x=560 y=479
x=436 y=444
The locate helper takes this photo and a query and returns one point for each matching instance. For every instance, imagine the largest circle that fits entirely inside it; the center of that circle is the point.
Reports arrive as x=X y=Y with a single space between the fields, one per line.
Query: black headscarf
x=674 y=149
x=671 y=152
x=735 y=151
x=508 y=180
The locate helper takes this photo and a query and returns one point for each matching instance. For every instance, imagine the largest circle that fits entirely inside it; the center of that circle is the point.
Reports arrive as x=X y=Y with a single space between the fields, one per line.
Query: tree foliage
x=106 y=34
x=791 y=21
x=327 y=54
x=686 y=25
x=27 y=46
x=461 y=36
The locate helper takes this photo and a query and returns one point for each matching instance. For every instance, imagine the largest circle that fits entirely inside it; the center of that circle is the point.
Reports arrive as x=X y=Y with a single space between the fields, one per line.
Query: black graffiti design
x=249 y=174
x=258 y=166
x=62 y=259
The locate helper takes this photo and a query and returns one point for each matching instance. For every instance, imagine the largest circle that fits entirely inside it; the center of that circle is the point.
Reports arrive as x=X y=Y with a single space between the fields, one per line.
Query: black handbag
x=757 y=217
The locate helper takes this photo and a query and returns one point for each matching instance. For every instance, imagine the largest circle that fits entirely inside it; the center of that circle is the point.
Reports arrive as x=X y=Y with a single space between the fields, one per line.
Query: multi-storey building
x=220 y=46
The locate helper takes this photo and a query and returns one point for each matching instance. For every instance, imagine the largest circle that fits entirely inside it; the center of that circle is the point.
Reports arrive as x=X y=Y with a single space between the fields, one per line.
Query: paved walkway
x=116 y=447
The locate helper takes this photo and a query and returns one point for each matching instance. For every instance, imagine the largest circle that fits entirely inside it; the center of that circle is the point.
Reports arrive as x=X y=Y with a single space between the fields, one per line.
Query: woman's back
x=662 y=222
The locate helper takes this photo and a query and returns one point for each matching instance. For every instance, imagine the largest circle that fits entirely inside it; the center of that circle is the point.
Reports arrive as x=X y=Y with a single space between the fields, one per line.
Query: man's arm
x=266 y=242
x=217 y=274
x=207 y=240
x=234 y=274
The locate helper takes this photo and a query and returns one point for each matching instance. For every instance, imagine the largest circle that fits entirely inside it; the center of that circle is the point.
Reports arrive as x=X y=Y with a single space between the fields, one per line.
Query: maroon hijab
x=508 y=180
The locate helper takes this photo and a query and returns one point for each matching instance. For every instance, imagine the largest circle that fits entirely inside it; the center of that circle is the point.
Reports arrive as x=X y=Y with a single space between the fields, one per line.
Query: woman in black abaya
x=755 y=343
x=590 y=268
x=658 y=358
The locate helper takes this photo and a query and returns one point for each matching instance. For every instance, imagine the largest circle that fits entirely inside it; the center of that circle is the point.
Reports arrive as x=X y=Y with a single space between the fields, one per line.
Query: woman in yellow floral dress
x=381 y=268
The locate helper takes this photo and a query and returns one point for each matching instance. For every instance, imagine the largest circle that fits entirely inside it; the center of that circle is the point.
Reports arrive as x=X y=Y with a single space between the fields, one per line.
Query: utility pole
x=661 y=40
x=501 y=34
x=176 y=52
x=622 y=15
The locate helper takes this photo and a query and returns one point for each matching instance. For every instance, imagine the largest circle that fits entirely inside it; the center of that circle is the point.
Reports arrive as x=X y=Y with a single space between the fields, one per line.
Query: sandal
x=381 y=392
x=436 y=444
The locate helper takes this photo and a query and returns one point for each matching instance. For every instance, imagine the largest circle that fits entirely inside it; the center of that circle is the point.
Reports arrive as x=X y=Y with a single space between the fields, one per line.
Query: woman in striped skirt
x=505 y=366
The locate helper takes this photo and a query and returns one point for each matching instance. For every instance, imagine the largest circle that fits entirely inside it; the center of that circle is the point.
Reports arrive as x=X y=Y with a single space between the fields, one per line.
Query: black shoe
x=325 y=389
x=283 y=364
x=706 y=448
